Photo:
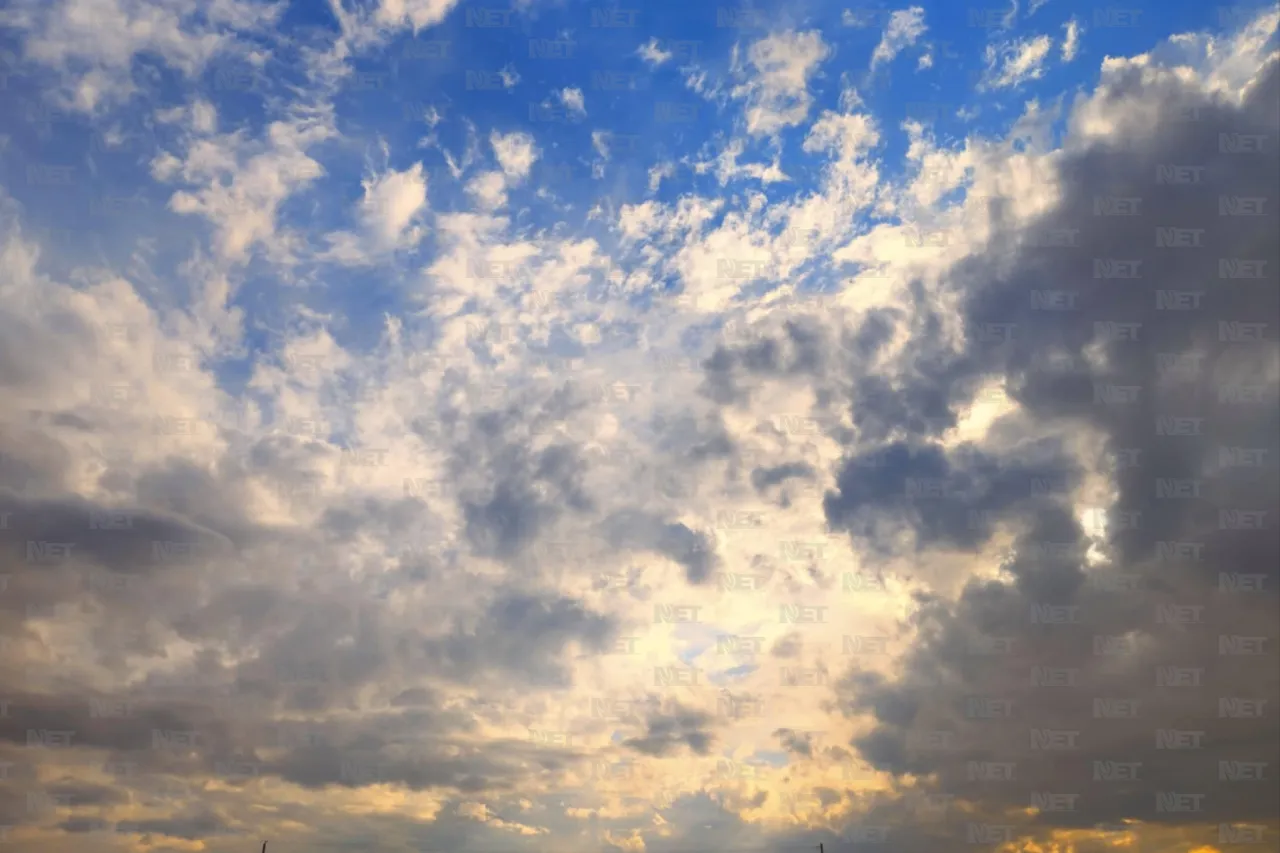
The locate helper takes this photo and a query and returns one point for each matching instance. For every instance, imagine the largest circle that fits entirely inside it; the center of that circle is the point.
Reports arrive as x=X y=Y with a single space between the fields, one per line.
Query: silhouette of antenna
x=264 y=847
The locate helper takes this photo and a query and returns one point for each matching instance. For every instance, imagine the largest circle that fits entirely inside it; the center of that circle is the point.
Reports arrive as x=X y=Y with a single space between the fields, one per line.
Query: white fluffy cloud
x=776 y=88
x=392 y=201
x=573 y=100
x=904 y=29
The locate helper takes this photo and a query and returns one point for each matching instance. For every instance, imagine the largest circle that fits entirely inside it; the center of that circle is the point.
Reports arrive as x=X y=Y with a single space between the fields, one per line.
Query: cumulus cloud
x=776 y=88
x=391 y=202
x=573 y=100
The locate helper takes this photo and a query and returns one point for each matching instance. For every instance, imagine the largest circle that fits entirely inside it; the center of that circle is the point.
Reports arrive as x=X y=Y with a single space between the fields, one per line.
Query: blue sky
x=632 y=426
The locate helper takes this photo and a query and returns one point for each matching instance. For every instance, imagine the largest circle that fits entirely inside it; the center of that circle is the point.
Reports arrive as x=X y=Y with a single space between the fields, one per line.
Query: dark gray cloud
x=521 y=636
x=666 y=732
x=640 y=531
x=1104 y=667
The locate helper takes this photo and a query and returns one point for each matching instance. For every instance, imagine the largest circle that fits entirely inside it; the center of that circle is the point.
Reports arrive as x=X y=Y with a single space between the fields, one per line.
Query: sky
x=661 y=428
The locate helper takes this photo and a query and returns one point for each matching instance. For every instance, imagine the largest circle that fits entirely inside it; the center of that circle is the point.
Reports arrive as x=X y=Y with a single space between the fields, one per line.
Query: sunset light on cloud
x=500 y=427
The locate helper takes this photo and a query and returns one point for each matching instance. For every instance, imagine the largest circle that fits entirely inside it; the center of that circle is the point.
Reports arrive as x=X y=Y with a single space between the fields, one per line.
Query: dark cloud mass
x=1125 y=672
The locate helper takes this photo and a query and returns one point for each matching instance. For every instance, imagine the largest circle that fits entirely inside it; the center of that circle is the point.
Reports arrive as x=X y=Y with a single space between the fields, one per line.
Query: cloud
x=1087 y=593
x=904 y=29
x=516 y=153
x=392 y=201
x=416 y=13
x=573 y=100
x=91 y=44
x=451 y=496
x=653 y=54
x=1071 y=41
x=776 y=86
x=1010 y=64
